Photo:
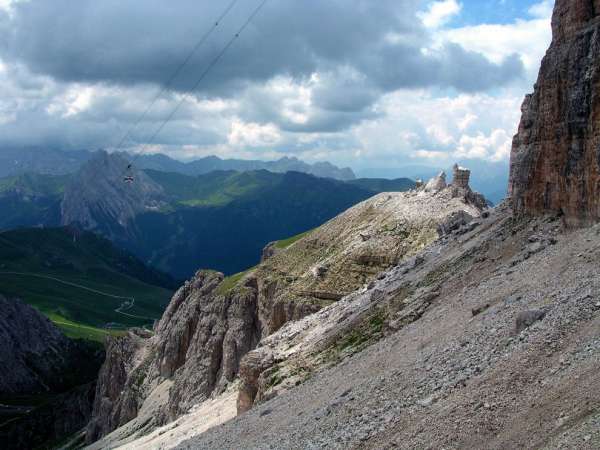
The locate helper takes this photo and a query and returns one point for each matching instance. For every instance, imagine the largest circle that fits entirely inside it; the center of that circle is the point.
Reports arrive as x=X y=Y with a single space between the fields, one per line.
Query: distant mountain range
x=58 y=162
x=213 y=163
x=179 y=223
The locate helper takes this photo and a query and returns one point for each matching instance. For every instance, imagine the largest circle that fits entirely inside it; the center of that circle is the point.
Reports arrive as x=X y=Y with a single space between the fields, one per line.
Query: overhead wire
x=176 y=73
x=212 y=64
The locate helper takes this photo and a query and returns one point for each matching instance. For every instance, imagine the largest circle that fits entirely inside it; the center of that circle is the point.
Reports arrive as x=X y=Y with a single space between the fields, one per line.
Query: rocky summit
x=555 y=161
x=98 y=198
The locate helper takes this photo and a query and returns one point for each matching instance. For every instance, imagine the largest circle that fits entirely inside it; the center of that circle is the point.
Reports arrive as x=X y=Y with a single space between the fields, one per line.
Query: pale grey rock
x=436 y=184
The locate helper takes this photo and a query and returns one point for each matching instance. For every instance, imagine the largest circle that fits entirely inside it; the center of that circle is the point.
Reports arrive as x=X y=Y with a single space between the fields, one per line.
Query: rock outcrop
x=212 y=322
x=437 y=183
x=555 y=161
x=39 y=363
x=35 y=356
x=195 y=350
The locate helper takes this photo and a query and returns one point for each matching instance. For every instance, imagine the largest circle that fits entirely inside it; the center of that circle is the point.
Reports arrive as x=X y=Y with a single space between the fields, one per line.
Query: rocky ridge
x=490 y=334
x=555 y=160
x=212 y=322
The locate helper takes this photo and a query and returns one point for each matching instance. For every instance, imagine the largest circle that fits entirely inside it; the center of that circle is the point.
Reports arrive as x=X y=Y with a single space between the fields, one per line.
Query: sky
x=355 y=82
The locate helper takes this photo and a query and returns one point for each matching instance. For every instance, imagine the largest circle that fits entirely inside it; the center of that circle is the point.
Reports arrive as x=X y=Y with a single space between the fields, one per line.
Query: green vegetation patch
x=285 y=243
x=364 y=334
x=86 y=286
x=217 y=188
x=232 y=281
x=35 y=184
x=76 y=330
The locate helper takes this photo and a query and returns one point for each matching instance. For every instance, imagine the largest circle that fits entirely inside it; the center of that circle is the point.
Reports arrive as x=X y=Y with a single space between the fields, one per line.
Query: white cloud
x=431 y=155
x=266 y=120
x=253 y=134
x=420 y=125
x=528 y=38
x=74 y=101
x=7 y=5
x=494 y=147
x=468 y=120
x=542 y=10
x=439 y=13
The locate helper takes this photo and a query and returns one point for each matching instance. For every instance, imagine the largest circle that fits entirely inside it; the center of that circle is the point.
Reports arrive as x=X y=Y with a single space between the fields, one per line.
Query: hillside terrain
x=177 y=222
x=31 y=200
x=492 y=335
x=212 y=321
x=412 y=320
x=80 y=281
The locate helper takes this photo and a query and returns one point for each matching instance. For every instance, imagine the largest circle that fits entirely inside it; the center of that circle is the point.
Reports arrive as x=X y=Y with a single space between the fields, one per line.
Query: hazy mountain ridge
x=61 y=162
x=213 y=163
x=178 y=222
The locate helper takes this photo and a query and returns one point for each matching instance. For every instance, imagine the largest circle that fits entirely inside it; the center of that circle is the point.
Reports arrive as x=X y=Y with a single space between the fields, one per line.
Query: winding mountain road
x=126 y=305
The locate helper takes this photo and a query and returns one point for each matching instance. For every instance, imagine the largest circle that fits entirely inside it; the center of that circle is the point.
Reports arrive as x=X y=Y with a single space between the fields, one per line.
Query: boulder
x=527 y=318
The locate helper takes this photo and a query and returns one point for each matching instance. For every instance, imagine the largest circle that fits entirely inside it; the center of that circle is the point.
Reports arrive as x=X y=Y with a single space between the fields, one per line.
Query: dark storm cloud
x=136 y=41
x=349 y=52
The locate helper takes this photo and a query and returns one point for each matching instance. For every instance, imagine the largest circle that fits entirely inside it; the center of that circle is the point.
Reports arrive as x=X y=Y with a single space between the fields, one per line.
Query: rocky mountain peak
x=555 y=160
x=99 y=191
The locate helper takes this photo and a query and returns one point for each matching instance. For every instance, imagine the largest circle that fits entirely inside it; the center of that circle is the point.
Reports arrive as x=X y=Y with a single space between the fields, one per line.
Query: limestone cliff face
x=195 y=350
x=555 y=161
x=212 y=322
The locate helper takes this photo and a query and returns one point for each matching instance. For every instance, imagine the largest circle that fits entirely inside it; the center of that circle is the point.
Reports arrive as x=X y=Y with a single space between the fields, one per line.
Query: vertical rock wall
x=555 y=160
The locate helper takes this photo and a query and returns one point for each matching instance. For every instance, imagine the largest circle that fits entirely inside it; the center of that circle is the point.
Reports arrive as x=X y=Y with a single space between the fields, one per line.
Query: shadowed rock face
x=196 y=350
x=35 y=357
x=555 y=161
x=99 y=199
x=38 y=361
